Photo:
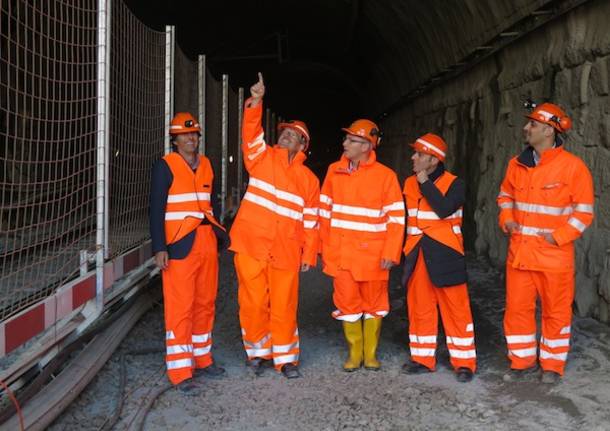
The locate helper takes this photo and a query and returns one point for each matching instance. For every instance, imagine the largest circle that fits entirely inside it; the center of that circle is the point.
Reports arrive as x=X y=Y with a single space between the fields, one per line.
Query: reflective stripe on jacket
x=188 y=199
x=362 y=217
x=422 y=219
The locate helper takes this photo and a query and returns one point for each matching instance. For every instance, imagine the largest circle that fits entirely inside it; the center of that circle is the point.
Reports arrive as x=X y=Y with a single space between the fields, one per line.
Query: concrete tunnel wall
x=480 y=114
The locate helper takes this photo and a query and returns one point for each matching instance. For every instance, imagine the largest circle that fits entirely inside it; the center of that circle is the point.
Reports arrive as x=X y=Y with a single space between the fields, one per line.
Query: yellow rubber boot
x=353 y=336
x=372 y=330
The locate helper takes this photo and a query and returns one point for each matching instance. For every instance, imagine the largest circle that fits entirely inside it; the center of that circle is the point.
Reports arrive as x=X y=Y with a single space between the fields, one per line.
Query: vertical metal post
x=201 y=82
x=225 y=146
x=102 y=143
x=240 y=162
x=107 y=132
x=169 y=82
x=268 y=126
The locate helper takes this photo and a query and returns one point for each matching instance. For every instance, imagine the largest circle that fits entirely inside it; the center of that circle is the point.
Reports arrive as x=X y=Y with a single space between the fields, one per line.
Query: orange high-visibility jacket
x=188 y=199
x=362 y=218
x=277 y=220
x=554 y=196
x=422 y=219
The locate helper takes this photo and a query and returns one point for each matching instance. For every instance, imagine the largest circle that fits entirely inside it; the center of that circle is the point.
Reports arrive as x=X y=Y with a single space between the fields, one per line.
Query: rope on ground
x=15 y=402
x=138 y=419
x=110 y=422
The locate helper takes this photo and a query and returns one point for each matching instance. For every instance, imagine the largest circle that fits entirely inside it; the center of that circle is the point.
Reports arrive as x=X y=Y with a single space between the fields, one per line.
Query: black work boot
x=212 y=371
x=411 y=367
x=257 y=365
x=291 y=371
x=464 y=375
x=189 y=388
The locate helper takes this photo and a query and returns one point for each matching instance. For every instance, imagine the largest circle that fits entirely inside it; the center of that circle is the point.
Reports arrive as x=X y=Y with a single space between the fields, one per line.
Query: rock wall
x=480 y=114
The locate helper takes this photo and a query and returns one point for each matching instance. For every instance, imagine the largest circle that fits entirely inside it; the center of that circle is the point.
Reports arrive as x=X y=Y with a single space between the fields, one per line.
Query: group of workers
x=357 y=221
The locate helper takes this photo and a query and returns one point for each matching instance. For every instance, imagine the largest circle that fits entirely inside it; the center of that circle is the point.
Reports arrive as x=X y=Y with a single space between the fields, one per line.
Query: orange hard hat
x=365 y=129
x=298 y=126
x=184 y=122
x=553 y=115
x=431 y=144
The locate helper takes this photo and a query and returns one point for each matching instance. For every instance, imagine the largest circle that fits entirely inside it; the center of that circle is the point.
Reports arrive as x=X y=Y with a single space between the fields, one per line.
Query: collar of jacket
x=440 y=170
x=526 y=158
x=344 y=163
x=282 y=153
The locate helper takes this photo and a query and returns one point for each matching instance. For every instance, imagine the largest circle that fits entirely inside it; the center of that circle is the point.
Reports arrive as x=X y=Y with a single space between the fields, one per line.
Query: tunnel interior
x=458 y=68
x=329 y=63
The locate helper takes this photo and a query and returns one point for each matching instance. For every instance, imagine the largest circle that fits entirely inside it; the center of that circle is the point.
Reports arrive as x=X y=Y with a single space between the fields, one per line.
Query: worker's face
x=356 y=148
x=291 y=140
x=423 y=162
x=536 y=132
x=187 y=143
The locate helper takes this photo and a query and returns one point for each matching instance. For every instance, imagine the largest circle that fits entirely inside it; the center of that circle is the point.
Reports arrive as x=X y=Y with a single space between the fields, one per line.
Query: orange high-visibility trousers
x=556 y=292
x=268 y=299
x=357 y=299
x=454 y=304
x=189 y=294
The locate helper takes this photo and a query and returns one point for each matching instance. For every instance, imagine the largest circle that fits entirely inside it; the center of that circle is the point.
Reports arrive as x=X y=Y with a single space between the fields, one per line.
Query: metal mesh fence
x=137 y=89
x=47 y=145
x=49 y=133
x=185 y=83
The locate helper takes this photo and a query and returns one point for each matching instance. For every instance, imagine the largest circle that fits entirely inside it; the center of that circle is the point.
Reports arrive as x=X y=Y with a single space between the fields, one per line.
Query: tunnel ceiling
x=365 y=53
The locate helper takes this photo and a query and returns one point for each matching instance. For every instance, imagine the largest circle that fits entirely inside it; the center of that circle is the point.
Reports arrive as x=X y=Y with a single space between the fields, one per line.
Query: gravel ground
x=326 y=398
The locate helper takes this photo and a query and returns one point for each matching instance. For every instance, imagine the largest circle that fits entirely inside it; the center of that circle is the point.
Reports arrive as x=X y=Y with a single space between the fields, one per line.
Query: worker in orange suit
x=274 y=235
x=546 y=203
x=434 y=264
x=362 y=230
x=185 y=250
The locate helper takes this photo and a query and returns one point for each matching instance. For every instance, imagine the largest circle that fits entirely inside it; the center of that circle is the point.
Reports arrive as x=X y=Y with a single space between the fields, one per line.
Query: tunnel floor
x=326 y=398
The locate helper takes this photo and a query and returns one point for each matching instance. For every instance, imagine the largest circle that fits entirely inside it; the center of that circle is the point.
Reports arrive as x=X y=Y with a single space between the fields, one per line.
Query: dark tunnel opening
x=309 y=55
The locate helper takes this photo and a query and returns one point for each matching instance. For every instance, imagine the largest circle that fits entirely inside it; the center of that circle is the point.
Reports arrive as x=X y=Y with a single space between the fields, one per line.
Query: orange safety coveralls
x=362 y=217
x=423 y=295
x=275 y=231
x=553 y=196
x=190 y=283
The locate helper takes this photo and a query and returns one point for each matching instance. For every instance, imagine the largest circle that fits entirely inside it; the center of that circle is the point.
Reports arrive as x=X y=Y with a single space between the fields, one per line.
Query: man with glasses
x=362 y=219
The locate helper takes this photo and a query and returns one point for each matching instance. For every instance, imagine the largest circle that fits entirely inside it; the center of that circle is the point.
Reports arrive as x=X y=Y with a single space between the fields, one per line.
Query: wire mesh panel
x=137 y=86
x=47 y=145
x=185 y=83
